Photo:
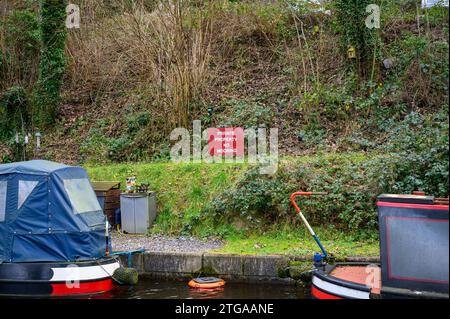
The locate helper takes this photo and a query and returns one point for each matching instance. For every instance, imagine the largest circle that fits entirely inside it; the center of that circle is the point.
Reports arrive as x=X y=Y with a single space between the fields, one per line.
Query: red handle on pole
x=293 y=196
x=296 y=194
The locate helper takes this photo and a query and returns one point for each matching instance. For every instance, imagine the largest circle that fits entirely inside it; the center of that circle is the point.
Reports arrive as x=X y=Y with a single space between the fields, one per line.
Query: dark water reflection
x=164 y=289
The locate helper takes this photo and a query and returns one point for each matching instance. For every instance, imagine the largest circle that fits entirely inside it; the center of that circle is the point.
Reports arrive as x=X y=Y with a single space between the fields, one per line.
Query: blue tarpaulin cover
x=49 y=212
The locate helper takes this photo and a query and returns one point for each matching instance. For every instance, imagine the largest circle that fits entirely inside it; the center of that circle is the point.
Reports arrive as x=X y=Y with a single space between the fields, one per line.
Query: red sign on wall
x=226 y=141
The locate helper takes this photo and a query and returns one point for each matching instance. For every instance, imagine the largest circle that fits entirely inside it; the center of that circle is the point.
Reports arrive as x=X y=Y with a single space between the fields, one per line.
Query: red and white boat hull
x=346 y=281
x=57 y=279
x=359 y=281
x=322 y=289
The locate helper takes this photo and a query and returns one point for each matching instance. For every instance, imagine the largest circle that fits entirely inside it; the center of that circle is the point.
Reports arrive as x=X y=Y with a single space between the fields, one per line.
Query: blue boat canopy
x=49 y=212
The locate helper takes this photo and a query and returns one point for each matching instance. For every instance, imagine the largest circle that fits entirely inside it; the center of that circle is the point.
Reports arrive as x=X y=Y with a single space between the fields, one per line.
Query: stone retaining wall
x=231 y=267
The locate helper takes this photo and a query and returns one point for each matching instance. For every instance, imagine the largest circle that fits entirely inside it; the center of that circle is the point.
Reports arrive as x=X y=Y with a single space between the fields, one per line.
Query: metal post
x=38 y=143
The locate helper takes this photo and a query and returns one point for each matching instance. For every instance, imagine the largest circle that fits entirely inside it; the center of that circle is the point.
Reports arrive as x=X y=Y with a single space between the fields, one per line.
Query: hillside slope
x=135 y=72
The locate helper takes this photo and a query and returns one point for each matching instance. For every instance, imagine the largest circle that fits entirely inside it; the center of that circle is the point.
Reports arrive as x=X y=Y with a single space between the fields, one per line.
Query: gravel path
x=158 y=243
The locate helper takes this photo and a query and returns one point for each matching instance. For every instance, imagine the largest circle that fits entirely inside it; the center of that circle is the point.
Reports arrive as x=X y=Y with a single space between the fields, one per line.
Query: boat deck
x=364 y=275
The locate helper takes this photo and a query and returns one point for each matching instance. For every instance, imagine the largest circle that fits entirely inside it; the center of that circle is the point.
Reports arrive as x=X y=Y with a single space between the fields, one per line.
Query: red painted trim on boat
x=389 y=253
x=319 y=294
x=419 y=206
x=434 y=220
x=84 y=288
x=421 y=280
x=388 y=244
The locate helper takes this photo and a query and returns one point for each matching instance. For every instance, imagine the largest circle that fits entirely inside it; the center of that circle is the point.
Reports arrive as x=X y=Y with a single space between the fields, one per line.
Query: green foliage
x=262 y=200
x=224 y=201
x=20 y=50
x=272 y=20
x=6 y=159
x=421 y=70
x=120 y=145
x=414 y=157
x=312 y=136
x=337 y=111
x=248 y=114
x=14 y=111
x=183 y=190
x=351 y=24
x=419 y=148
x=351 y=16
x=349 y=204
x=254 y=198
x=325 y=102
x=437 y=15
x=53 y=61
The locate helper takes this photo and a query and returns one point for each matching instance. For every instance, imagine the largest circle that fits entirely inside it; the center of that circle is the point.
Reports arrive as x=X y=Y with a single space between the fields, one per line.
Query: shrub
x=248 y=114
x=414 y=156
x=419 y=152
x=53 y=60
x=19 y=48
x=14 y=111
x=350 y=20
x=122 y=144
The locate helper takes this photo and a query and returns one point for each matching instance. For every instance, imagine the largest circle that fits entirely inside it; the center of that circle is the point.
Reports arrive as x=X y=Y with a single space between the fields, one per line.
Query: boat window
x=82 y=196
x=25 y=189
x=3 y=187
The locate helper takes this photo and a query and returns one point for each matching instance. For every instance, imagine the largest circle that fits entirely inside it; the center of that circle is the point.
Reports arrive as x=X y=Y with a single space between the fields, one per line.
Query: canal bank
x=282 y=269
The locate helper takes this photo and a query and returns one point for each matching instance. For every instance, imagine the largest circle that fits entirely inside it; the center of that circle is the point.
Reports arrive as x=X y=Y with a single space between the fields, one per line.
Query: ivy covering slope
x=53 y=60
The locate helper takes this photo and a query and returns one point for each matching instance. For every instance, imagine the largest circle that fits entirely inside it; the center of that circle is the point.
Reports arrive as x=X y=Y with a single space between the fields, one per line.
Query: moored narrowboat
x=346 y=281
x=53 y=238
x=57 y=279
x=414 y=252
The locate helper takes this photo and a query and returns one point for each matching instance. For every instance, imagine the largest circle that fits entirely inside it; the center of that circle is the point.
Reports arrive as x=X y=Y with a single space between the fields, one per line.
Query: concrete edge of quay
x=236 y=268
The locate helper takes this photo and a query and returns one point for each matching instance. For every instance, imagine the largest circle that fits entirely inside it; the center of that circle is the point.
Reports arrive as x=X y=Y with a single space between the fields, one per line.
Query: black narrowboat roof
x=407 y=199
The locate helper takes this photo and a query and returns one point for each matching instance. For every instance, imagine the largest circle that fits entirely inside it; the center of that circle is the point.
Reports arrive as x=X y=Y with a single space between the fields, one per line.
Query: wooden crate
x=108 y=195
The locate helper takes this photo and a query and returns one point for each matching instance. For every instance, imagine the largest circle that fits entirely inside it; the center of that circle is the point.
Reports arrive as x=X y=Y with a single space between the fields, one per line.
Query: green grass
x=300 y=244
x=183 y=190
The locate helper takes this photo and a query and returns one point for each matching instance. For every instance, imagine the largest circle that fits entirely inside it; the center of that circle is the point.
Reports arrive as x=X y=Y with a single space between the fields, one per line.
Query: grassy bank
x=224 y=200
x=253 y=211
x=300 y=243
x=183 y=190
x=186 y=196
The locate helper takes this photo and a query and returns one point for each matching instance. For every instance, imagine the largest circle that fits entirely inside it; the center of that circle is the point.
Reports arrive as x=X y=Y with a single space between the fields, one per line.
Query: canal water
x=165 y=289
